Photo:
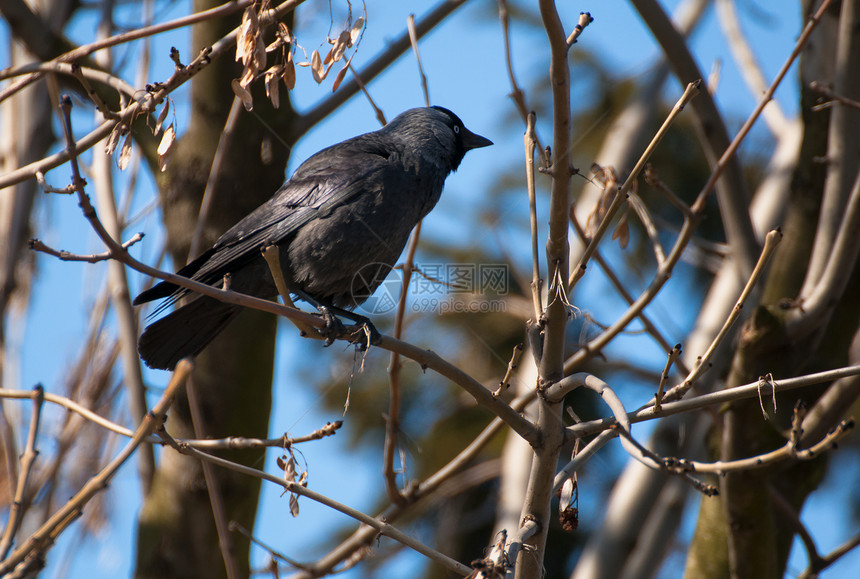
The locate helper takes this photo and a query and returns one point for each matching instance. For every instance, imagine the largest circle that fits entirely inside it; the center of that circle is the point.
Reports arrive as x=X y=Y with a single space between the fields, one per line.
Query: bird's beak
x=473 y=141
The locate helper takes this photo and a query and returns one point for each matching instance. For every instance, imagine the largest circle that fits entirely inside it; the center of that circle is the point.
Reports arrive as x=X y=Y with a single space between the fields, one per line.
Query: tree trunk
x=233 y=376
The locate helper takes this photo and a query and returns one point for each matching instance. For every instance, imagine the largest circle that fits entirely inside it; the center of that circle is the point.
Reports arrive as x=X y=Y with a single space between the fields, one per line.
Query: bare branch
x=748 y=64
x=691 y=91
x=16 y=512
x=30 y=551
x=37 y=245
x=413 y=41
x=537 y=283
x=771 y=241
x=720 y=397
x=377 y=523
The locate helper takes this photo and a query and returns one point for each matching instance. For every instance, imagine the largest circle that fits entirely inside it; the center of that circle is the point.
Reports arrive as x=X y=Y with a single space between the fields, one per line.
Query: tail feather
x=165 y=288
x=184 y=332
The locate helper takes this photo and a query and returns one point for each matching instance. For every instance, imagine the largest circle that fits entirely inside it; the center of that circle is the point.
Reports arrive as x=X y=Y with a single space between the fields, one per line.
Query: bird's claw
x=333 y=328
x=364 y=334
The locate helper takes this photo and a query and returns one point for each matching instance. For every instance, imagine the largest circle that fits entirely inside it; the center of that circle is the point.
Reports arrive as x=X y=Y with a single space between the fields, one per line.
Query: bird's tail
x=184 y=332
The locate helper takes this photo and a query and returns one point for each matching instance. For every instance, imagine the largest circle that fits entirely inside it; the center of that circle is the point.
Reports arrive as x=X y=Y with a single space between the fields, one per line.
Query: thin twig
x=673 y=356
x=38 y=245
x=31 y=550
x=622 y=291
x=642 y=212
x=28 y=459
x=272 y=255
x=224 y=146
x=229 y=443
x=584 y=20
x=380 y=116
x=832 y=557
x=381 y=527
x=234 y=526
x=691 y=91
x=670 y=466
x=834 y=98
x=742 y=392
x=413 y=41
x=537 y=283
x=513 y=364
x=241 y=443
x=152 y=98
x=394 y=49
x=749 y=67
x=785 y=452
x=213 y=488
x=698 y=207
x=652 y=178
x=771 y=242
x=392 y=419
x=787 y=511
x=93 y=74
x=517 y=94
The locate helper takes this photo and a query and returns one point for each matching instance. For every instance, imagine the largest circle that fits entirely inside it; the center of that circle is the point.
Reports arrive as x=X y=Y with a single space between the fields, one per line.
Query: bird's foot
x=364 y=334
x=333 y=328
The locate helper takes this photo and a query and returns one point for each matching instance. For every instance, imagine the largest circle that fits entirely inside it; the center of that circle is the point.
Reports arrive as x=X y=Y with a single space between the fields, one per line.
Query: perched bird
x=348 y=207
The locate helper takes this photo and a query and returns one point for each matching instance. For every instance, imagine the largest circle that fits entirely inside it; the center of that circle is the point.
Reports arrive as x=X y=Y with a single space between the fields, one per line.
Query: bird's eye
x=456 y=129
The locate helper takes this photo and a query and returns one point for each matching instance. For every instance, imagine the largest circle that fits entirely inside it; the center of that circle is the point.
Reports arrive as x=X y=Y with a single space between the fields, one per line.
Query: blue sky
x=463 y=60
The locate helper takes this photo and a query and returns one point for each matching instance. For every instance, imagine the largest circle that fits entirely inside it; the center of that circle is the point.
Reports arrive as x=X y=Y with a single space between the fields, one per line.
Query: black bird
x=350 y=206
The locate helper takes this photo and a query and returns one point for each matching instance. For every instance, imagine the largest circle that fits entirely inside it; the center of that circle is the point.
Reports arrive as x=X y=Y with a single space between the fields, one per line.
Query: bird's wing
x=322 y=183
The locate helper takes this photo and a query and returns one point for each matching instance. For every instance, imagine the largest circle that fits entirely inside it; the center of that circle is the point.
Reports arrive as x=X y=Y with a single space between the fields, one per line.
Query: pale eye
x=456 y=130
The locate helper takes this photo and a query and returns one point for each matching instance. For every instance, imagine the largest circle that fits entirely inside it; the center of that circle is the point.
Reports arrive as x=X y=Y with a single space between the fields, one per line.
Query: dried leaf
x=284 y=33
x=243 y=93
x=259 y=53
x=165 y=148
x=247 y=77
x=294 y=505
x=125 y=153
x=272 y=79
x=113 y=138
x=566 y=494
x=246 y=35
x=339 y=78
x=161 y=116
x=317 y=67
x=356 y=30
x=289 y=74
x=340 y=46
x=569 y=519
x=622 y=232
x=167 y=140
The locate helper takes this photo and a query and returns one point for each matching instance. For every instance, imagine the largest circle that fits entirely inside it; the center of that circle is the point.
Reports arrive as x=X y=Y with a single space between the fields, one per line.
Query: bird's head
x=434 y=127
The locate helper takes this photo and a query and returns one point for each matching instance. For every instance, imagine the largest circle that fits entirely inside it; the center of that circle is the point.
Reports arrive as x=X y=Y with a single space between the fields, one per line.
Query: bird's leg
x=363 y=324
x=272 y=256
x=334 y=328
